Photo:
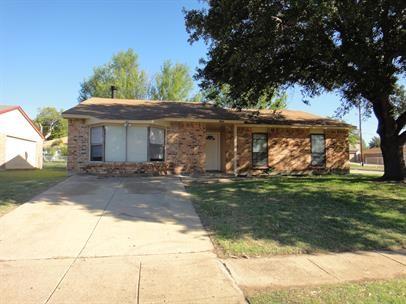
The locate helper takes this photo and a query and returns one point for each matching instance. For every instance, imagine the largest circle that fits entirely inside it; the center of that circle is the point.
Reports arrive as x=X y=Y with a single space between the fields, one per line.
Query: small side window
x=97 y=144
x=318 y=150
x=156 y=144
x=259 y=150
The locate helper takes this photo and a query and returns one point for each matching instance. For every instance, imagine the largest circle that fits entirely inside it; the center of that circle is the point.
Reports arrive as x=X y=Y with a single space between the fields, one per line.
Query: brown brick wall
x=127 y=169
x=229 y=149
x=244 y=155
x=289 y=149
x=337 y=150
x=185 y=147
x=244 y=150
x=184 y=152
x=78 y=144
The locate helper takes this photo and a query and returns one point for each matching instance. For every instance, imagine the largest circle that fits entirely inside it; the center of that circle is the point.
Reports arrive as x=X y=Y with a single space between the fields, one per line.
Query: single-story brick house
x=119 y=136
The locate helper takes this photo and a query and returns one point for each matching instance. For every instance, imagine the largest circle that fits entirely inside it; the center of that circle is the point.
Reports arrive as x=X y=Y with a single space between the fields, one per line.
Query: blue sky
x=49 y=47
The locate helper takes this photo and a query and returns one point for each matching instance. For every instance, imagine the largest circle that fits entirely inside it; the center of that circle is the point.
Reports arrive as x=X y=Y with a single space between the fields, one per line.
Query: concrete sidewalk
x=304 y=270
x=111 y=240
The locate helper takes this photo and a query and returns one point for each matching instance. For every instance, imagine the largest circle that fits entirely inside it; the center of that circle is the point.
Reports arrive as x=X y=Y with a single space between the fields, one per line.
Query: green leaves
x=122 y=71
x=173 y=82
x=51 y=124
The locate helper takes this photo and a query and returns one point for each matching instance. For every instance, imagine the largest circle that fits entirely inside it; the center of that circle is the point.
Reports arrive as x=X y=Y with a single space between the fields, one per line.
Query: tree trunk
x=392 y=150
x=392 y=154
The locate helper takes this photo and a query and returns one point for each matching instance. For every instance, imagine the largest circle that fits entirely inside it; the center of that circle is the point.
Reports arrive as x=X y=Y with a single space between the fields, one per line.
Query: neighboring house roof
x=377 y=151
x=8 y=108
x=130 y=109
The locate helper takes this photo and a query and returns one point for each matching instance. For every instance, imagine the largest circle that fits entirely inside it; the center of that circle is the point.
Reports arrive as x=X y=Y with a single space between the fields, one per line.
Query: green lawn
x=18 y=186
x=293 y=215
x=392 y=291
x=366 y=167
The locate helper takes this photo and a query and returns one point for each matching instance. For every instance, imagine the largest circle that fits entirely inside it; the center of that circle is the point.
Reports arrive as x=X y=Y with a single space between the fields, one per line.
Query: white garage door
x=20 y=153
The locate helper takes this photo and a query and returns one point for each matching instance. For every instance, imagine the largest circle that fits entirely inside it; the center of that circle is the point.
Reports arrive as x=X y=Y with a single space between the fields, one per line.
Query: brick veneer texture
x=289 y=150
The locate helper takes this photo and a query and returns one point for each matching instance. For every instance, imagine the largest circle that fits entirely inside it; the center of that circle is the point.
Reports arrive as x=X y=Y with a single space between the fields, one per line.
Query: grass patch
x=391 y=291
x=293 y=215
x=366 y=167
x=19 y=186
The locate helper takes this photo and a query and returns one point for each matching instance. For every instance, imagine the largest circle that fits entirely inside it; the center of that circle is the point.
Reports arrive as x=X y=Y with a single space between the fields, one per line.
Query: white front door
x=212 y=151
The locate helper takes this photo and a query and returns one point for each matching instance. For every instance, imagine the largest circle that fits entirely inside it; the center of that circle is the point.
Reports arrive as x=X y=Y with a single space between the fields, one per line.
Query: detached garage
x=20 y=141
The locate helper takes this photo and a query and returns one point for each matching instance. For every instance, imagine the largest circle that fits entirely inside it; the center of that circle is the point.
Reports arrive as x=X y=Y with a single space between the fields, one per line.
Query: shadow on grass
x=282 y=215
x=19 y=186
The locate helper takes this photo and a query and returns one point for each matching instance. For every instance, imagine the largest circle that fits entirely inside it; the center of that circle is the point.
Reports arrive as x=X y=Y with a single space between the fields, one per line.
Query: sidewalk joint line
x=139 y=285
x=390 y=258
x=108 y=256
x=83 y=247
x=233 y=279
x=318 y=266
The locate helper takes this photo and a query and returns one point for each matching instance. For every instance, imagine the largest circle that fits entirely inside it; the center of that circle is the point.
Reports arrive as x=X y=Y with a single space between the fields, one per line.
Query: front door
x=213 y=151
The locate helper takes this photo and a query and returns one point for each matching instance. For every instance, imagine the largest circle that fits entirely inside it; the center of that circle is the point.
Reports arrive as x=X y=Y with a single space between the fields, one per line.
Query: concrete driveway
x=110 y=240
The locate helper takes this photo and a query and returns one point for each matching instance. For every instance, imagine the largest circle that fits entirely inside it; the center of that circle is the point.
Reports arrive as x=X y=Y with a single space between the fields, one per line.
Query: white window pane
x=157 y=136
x=115 y=143
x=96 y=153
x=137 y=142
x=318 y=147
x=259 y=143
x=96 y=136
x=317 y=143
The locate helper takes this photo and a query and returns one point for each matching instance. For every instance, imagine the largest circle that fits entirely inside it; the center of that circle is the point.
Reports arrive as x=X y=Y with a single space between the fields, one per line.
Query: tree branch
x=402 y=138
x=401 y=122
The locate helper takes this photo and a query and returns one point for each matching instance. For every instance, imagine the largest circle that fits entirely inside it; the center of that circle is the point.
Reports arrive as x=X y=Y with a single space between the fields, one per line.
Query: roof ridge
x=148 y=100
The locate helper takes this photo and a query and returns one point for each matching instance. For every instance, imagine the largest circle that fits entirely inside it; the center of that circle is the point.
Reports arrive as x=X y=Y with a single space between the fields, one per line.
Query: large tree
x=375 y=142
x=173 y=82
x=51 y=123
x=221 y=96
x=355 y=48
x=123 y=72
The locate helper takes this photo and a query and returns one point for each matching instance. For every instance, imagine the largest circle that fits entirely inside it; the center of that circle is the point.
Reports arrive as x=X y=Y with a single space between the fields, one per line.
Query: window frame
x=323 y=165
x=252 y=151
x=103 y=144
x=126 y=144
x=149 y=145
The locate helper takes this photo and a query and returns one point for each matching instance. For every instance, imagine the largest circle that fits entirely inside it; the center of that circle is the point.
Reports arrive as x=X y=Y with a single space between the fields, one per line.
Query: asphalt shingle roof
x=130 y=109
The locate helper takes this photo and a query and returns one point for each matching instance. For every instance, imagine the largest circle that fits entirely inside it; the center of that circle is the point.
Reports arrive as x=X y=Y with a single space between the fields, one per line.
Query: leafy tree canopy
x=51 y=123
x=222 y=96
x=375 y=142
x=173 y=82
x=355 y=48
x=123 y=72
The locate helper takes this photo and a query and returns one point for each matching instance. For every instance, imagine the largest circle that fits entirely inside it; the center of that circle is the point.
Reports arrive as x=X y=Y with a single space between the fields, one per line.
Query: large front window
x=259 y=150
x=318 y=150
x=115 y=143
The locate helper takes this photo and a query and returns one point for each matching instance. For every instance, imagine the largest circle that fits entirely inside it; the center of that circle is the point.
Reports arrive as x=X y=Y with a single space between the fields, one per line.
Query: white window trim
x=126 y=125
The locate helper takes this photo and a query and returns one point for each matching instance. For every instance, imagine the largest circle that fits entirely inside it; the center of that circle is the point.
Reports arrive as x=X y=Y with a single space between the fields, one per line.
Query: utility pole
x=360 y=134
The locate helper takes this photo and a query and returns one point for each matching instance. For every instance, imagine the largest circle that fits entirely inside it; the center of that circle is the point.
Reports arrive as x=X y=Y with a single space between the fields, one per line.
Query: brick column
x=185 y=147
x=78 y=145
